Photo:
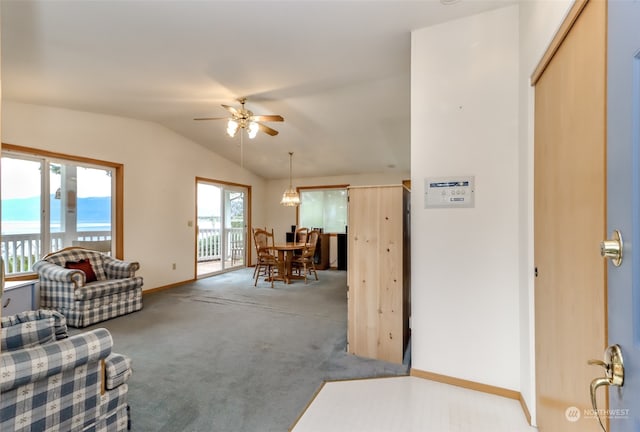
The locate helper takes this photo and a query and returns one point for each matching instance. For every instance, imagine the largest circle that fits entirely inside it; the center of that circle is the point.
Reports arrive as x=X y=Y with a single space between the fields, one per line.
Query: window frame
x=117 y=191
x=301 y=189
x=226 y=186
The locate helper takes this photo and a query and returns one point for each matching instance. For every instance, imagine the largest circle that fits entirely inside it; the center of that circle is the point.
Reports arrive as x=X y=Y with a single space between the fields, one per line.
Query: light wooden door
x=569 y=213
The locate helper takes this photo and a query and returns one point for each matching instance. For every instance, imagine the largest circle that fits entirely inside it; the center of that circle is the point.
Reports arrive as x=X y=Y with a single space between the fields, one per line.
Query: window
x=324 y=207
x=49 y=203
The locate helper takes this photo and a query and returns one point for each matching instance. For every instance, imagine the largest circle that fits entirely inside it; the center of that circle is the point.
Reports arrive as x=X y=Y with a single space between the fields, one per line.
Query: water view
x=33 y=227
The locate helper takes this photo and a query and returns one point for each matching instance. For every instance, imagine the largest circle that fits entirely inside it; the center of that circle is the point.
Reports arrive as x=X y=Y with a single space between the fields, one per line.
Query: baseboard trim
x=525 y=409
x=472 y=385
x=166 y=287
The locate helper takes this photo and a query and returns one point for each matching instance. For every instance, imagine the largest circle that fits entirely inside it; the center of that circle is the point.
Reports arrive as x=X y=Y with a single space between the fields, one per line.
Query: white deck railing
x=209 y=245
x=20 y=251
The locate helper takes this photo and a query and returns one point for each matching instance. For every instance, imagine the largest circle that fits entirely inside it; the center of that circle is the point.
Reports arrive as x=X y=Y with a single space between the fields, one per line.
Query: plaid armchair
x=97 y=287
x=52 y=382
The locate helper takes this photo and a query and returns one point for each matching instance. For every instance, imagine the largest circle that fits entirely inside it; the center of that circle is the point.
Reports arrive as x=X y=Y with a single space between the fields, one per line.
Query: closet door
x=569 y=213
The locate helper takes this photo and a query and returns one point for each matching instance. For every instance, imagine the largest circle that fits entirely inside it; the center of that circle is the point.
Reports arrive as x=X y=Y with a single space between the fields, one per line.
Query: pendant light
x=290 y=197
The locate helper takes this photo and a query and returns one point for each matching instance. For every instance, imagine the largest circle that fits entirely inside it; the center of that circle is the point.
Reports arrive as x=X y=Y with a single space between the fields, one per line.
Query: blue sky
x=21 y=179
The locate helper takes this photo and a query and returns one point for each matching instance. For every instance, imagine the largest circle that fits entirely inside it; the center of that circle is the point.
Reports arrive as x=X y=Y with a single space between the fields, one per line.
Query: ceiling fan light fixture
x=242 y=118
x=290 y=197
x=252 y=131
x=232 y=128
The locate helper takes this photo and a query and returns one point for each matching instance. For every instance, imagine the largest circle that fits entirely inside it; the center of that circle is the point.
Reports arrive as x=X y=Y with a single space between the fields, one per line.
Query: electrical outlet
x=173 y=266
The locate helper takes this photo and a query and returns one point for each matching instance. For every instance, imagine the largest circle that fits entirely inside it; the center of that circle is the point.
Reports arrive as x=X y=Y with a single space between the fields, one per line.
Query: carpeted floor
x=222 y=355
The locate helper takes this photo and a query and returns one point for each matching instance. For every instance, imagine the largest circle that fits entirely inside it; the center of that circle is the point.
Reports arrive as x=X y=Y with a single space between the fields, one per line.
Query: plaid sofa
x=51 y=382
x=117 y=291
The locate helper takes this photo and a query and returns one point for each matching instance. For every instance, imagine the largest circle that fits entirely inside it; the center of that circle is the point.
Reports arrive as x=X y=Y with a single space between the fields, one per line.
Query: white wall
x=539 y=21
x=464 y=116
x=160 y=168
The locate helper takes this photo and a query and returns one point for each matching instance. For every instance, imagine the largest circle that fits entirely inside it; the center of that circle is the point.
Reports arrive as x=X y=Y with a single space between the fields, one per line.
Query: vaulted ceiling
x=337 y=71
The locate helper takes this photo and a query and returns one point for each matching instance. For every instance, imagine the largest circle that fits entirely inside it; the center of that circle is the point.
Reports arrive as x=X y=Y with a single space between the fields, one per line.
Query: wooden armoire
x=378 y=272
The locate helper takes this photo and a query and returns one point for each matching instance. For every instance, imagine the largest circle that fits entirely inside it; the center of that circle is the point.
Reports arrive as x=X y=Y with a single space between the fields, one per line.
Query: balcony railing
x=20 y=251
x=209 y=244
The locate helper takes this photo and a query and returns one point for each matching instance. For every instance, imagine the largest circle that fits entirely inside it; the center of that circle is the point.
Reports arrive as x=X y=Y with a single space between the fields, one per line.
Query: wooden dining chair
x=266 y=260
x=305 y=261
x=301 y=235
x=255 y=245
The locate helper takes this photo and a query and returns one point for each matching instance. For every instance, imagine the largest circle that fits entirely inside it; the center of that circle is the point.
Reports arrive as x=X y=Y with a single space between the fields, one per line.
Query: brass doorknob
x=612 y=249
x=614 y=375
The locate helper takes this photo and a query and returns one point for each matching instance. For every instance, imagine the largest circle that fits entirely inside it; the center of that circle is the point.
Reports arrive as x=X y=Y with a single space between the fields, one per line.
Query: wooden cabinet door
x=375 y=257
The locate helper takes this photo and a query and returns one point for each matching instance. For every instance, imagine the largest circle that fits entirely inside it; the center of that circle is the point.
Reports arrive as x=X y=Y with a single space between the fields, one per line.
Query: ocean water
x=33 y=227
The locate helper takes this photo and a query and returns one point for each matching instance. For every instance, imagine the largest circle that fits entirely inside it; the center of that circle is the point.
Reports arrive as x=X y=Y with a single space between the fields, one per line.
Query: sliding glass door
x=234 y=226
x=222 y=227
x=49 y=204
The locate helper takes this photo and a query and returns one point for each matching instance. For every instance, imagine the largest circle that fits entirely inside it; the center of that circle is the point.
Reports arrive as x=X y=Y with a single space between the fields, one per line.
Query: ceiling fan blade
x=267 y=130
x=211 y=118
x=269 y=118
x=231 y=109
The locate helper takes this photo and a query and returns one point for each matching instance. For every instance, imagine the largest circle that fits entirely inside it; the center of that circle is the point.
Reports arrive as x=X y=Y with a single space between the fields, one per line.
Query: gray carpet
x=221 y=355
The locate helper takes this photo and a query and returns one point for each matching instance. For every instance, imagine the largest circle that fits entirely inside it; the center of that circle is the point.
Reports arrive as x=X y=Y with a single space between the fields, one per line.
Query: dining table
x=285 y=256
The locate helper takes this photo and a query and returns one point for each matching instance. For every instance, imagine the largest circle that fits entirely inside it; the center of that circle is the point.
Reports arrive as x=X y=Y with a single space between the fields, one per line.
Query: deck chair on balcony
x=266 y=260
x=237 y=250
x=103 y=246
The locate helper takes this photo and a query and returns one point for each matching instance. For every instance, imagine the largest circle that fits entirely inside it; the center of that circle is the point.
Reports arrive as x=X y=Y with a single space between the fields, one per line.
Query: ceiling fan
x=242 y=118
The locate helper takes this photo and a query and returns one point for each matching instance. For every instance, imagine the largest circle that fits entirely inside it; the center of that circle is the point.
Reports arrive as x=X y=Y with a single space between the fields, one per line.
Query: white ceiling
x=338 y=71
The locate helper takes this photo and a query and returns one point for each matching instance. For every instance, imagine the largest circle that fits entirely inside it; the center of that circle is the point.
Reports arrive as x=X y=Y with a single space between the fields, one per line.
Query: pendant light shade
x=290 y=197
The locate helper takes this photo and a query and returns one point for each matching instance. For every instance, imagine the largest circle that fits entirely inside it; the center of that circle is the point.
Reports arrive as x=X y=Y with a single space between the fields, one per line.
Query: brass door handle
x=598 y=382
x=612 y=249
x=614 y=375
